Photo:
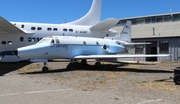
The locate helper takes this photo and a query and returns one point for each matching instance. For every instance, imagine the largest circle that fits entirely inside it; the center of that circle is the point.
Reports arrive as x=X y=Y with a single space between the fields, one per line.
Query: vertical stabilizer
x=92 y=17
x=125 y=34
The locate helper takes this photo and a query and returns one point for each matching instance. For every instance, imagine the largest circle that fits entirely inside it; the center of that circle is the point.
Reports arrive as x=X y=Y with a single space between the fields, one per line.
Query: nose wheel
x=45 y=68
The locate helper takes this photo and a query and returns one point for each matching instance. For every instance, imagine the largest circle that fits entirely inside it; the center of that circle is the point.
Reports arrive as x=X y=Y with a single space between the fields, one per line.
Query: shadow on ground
x=9 y=67
x=106 y=67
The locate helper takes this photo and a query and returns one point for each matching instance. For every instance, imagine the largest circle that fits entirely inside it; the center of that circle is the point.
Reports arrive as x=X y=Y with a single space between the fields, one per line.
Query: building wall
x=173 y=50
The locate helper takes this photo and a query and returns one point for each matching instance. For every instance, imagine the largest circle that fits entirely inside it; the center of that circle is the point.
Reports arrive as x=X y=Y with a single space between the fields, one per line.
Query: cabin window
x=71 y=30
x=37 y=39
x=39 y=28
x=33 y=40
x=65 y=30
x=49 y=29
x=84 y=42
x=97 y=43
x=21 y=39
x=33 y=28
x=3 y=42
x=55 y=29
x=22 y=26
x=10 y=42
x=29 y=39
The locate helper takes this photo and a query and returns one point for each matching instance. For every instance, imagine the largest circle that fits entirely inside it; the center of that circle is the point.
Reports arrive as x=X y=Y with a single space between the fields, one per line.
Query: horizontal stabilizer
x=8 y=28
x=118 y=56
x=131 y=44
x=105 y=25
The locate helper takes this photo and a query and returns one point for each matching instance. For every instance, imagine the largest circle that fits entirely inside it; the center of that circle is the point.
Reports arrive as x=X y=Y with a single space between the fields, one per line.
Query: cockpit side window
x=57 y=40
x=52 y=41
x=45 y=40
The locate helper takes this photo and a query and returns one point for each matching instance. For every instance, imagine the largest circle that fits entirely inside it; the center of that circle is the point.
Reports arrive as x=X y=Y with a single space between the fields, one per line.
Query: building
x=162 y=31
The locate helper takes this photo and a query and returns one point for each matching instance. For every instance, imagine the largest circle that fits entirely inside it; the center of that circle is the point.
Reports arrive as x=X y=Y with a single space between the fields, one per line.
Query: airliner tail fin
x=92 y=17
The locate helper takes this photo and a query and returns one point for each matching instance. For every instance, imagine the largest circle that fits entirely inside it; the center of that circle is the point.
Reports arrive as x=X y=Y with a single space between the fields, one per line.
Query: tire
x=98 y=64
x=177 y=79
x=45 y=69
x=83 y=62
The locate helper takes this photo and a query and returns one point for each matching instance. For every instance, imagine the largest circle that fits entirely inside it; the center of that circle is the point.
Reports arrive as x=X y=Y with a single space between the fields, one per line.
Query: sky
x=57 y=11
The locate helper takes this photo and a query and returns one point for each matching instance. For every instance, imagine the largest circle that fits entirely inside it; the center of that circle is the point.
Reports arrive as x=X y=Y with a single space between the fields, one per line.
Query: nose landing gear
x=45 y=69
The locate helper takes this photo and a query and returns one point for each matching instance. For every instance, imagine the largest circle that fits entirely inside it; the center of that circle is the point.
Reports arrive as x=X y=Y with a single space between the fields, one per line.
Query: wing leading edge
x=117 y=56
x=8 y=28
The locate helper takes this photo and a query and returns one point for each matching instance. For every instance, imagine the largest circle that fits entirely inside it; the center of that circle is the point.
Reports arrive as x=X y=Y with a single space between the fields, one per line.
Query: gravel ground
x=70 y=83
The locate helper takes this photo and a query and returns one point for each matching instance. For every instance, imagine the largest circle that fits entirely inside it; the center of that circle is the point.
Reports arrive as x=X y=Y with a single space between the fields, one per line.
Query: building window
x=33 y=28
x=159 y=19
x=176 y=17
x=21 y=39
x=167 y=18
x=164 y=47
x=140 y=21
x=139 y=49
x=3 y=42
x=39 y=28
x=49 y=29
x=148 y=20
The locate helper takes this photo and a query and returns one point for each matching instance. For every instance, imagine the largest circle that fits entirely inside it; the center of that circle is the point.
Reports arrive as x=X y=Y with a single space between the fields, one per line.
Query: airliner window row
x=48 y=29
x=4 y=42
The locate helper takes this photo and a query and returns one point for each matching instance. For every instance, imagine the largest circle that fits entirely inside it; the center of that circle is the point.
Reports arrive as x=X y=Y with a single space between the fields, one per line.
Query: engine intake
x=113 y=48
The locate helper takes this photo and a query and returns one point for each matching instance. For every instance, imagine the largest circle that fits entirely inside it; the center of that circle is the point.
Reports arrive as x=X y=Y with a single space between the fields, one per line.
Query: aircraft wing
x=118 y=56
x=105 y=25
x=8 y=28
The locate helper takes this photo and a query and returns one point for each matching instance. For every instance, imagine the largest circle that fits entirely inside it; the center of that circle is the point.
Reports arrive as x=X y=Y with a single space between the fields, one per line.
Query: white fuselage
x=69 y=47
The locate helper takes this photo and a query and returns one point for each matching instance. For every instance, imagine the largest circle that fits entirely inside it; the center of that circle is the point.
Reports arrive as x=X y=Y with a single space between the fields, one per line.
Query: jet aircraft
x=79 y=48
x=18 y=34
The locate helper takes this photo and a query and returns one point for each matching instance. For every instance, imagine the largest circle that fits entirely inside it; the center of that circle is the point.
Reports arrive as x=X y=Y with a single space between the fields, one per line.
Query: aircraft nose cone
x=15 y=52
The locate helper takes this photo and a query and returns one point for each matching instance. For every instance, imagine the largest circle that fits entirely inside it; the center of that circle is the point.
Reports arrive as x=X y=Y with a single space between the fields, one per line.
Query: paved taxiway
x=72 y=84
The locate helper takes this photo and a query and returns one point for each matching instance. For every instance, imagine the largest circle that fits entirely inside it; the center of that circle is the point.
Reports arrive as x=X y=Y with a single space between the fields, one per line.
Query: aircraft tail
x=92 y=17
x=125 y=34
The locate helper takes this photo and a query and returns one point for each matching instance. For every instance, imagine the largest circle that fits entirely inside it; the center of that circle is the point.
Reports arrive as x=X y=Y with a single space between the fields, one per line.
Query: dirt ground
x=145 y=82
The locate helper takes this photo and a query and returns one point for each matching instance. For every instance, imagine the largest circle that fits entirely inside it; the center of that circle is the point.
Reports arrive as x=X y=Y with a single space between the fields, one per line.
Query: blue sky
x=56 y=11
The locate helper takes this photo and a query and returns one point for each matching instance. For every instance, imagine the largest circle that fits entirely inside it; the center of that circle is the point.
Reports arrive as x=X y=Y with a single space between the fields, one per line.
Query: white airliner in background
x=18 y=34
x=80 y=48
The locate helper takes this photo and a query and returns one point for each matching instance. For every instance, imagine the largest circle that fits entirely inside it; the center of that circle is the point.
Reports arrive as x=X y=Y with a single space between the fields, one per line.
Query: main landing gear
x=45 y=68
x=176 y=77
x=84 y=63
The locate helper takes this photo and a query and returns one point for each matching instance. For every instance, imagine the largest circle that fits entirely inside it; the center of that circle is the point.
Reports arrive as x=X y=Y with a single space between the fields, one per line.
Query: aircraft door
x=66 y=46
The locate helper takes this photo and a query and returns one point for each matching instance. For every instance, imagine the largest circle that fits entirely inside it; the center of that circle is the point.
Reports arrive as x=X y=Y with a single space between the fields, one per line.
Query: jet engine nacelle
x=113 y=48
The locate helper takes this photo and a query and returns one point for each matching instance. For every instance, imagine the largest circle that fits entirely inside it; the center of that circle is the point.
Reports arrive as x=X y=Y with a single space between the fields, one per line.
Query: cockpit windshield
x=46 y=40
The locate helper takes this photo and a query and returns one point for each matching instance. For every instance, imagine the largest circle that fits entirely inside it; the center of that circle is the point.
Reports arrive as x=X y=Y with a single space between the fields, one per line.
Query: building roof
x=154 y=30
x=156 y=15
